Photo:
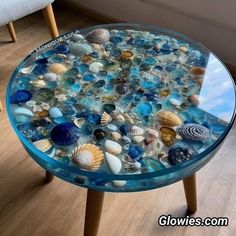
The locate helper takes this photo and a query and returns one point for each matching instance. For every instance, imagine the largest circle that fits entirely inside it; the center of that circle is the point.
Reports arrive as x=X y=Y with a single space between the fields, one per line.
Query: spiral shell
x=168 y=118
x=106 y=118
x=194 y=132
x=88 y=156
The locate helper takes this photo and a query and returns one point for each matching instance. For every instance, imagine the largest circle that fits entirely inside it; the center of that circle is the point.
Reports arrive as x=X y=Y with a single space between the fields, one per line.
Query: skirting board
x=103 y=18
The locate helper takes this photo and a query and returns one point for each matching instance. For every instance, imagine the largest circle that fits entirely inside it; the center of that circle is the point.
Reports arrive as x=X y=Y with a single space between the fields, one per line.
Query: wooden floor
x=30 y=208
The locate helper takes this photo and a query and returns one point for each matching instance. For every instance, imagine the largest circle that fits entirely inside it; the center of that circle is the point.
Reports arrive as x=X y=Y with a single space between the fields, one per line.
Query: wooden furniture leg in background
x=11 y=31
x=48 y=177
x=51 y=22
x=93 y=212
x=190 y=190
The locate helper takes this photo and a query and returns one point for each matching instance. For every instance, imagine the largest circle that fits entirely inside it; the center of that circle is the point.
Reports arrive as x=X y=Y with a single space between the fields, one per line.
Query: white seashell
x=55 y=112
x=27 y=70
x=116 y=136
x=120 y=118
x=79 y=122
x=152 y=133
x=112 y=147
x=31 y=103
x=138 y=139
x=43 y=145
x=106 y=118
x=175 y=102
x=23 y=111
x=39 y=83
x=57 y=68
x=50 y=76
x=118 y=183
x=95 y=67
x=113 y=163
x=135 y=130
x=154 y=147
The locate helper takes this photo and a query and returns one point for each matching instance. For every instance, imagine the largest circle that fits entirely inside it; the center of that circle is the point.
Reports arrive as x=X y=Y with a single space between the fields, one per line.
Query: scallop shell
x=115 y=135
x=43 y=145
x=138 y=139
x=168 y=118
x=79 y=122
x=106 y=118
x=128 y=118
x=194 y=132
x=135 y=130
x=112 y=147
x=120 y=118
x=152 y=133
x=88 y=156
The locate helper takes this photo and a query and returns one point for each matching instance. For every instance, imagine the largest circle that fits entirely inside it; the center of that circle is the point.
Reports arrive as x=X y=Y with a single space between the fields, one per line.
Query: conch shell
x=168 y=118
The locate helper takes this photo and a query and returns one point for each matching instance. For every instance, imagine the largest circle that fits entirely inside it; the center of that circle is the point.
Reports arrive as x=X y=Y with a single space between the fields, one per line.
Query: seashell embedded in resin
x=168 y=136
x=98 y=36
x=113 y=163
x=119 y=118
x=106 y=118
x=79 y=122
x=194 y=132
x=57 y=68
x=135 y=130
x=128 y=118
x=88 y=156
x=43 y=145
x=23 y=111
x=168 y=118
x=115 y=135
x=151 y=133
x=27 y=70
x=138 y=139
x=194 y=99
x=112 y=147
x=198 y=71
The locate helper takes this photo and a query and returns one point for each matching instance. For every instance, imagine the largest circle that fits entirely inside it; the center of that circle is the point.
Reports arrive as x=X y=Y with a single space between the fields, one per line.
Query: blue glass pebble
x=94 y=119
x=63 y=48
x=144 y=109
x=88 y=77
x=20 y=96
x=65 y=134
x=124 y=129
x=82 y=68
x=115 y=39
x=135 y=152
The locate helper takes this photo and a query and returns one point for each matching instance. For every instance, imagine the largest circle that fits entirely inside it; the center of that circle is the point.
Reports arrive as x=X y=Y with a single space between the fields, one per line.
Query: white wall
x=212 y=22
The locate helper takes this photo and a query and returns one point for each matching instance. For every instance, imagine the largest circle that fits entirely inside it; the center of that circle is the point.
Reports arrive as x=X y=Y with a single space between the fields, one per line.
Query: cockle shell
x=113 y=163
x=98 y=36
x=43 y=145
x=135 y=130
x=194 y=132
x=79 y=122
x=112 y=147
x=120 y=118
x=57 y=68
x=152 y=133
x=168 y=118
x=115 y=135
x=106 y=118
x=88 y=156
x=138 y=139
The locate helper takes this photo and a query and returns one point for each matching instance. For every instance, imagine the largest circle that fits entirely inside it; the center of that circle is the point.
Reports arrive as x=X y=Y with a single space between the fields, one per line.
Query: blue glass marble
x=135 y=152
x=124 y=129
x=94 y=119
x=88 y=77
x=39 y=70
x=63 y=48
x=20 y=96
x=115 y=39
x=65 y=134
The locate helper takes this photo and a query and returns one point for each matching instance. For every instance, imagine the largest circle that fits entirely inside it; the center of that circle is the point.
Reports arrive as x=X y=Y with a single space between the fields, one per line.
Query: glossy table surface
x=121 y=107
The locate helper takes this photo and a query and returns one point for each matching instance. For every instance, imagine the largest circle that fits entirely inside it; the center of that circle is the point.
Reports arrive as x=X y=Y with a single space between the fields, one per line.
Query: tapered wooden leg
x=51 y=22
x=93 y=212
x=190 y=190
x=11 y=30
x=48 y=177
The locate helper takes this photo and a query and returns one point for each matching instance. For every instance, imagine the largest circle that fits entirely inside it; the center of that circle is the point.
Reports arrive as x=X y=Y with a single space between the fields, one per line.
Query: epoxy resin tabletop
x=121 y=107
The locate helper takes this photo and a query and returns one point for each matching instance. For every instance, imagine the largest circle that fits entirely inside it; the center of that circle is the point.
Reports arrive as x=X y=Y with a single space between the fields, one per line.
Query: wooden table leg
x=48 y=177
x=11 y=30
x=93 y=212
x=190 y=189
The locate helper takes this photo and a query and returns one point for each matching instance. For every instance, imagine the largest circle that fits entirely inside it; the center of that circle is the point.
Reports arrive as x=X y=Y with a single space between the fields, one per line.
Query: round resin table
x=121 y=108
